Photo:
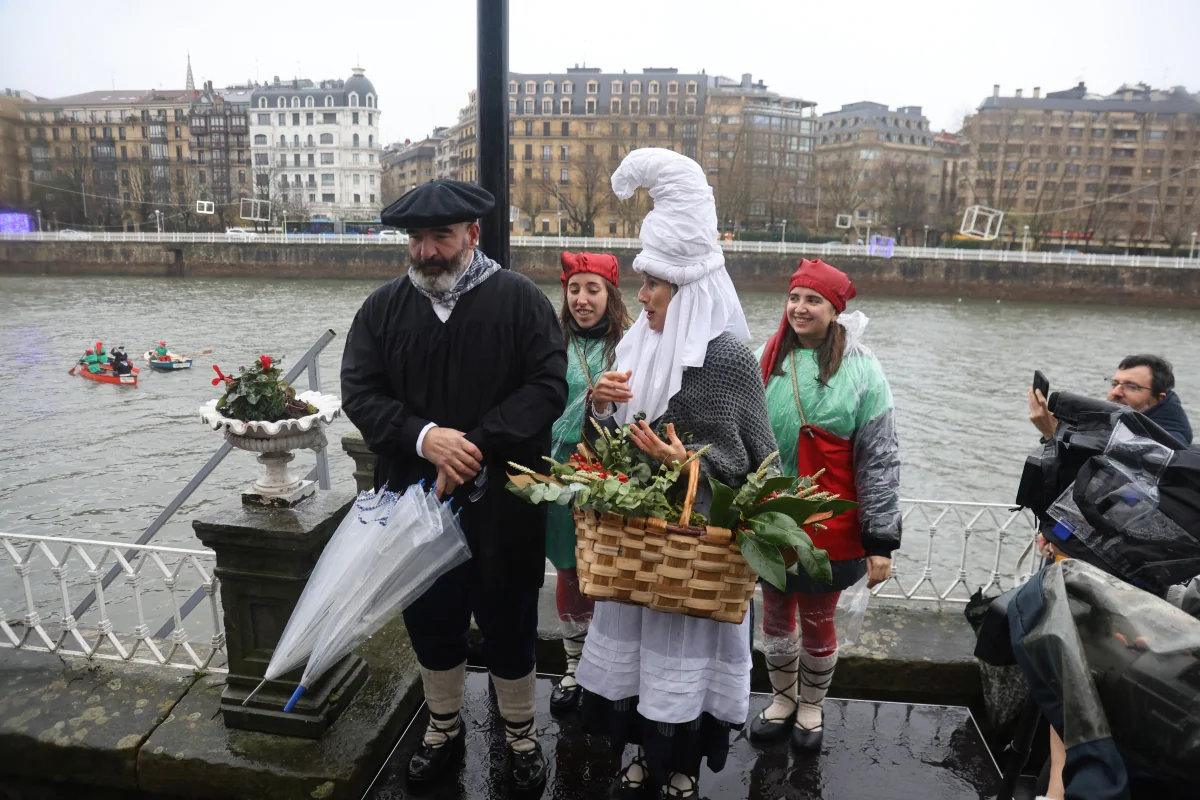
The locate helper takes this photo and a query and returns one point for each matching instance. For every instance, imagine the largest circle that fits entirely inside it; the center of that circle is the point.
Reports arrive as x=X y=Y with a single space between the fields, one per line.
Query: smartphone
x=1041 y=383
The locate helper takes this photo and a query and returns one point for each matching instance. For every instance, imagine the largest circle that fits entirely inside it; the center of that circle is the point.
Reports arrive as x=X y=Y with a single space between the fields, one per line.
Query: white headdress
x=679 y=245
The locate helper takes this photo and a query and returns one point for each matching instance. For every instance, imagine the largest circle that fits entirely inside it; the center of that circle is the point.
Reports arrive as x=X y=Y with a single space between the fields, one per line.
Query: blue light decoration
x=13 y=222
x=882 y=246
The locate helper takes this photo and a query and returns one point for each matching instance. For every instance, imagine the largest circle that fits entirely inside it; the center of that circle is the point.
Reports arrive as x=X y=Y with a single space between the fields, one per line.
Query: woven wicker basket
x=676 y=569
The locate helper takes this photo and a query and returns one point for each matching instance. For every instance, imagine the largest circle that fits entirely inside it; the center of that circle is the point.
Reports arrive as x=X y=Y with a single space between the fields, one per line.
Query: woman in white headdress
x=671 y=685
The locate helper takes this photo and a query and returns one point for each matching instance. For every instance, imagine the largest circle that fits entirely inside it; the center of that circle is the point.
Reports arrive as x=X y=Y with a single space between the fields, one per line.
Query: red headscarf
x=601 y=264
x=829 y=282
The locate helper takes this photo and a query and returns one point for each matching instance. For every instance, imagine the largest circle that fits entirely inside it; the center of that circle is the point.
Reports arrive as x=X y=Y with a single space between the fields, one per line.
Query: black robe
x=496 y=370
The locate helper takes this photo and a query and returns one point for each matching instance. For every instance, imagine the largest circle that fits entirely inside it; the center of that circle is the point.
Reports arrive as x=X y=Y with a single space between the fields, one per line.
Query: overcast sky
x=938 y=54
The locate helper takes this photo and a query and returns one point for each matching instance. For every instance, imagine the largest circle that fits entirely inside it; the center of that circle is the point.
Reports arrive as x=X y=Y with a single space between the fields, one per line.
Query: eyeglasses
x=1128 y=387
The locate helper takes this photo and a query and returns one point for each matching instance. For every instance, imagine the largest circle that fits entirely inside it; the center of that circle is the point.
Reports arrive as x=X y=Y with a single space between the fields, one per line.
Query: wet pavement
x=881 y=751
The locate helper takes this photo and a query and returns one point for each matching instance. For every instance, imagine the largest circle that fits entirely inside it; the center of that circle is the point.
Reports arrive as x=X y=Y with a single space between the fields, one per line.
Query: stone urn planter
x=274 y=443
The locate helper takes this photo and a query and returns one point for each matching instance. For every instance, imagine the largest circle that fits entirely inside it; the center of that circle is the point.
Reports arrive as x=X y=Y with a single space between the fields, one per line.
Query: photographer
x=1145 y=383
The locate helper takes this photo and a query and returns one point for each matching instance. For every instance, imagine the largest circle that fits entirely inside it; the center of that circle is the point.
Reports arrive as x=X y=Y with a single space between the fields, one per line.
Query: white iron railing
x=829 y=249
x=48 y=624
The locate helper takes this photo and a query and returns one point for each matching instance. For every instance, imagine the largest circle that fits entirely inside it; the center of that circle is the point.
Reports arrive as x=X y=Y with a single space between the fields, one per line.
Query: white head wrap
x=679 y=245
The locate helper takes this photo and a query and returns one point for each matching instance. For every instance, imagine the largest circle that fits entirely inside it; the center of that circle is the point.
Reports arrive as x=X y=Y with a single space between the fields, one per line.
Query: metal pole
x=925 y=241
x=492 y=80
x=1025 y=239
x=1192 y=249
x=784 y=239
x=817 y=221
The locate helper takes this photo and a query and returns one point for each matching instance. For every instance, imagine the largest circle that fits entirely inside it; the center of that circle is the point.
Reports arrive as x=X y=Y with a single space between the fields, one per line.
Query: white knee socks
x=816 y=673
x=782 y=670
x=573 y=645
x=515 y=699
x=444 y=696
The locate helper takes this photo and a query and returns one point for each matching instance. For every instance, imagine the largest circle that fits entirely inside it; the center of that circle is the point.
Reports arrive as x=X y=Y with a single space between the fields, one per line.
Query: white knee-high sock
x=816 y=673
x=573 y=645
x=444 y=696
x=782 y=670
x=515 y=699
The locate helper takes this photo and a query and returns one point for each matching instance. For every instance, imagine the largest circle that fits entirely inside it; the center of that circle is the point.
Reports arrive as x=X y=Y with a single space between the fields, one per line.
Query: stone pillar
x=264 y=559
x=364 y=460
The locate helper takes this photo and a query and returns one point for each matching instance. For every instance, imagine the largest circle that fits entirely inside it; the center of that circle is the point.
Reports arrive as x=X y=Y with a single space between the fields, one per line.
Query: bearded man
x=450 y=372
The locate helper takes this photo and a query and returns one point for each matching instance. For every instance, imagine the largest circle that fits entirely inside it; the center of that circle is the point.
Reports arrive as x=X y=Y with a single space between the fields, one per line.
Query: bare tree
x=899 y=183
x=1180 y=212
x=583 y=193
x=840 y=177
x=531 y=201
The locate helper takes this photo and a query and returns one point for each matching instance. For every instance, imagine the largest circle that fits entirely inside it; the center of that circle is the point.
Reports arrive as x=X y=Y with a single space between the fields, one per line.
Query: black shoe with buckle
x=565 y=698
x=429 y=763
x=624 y=788
x=808 y=740
x=527 y=769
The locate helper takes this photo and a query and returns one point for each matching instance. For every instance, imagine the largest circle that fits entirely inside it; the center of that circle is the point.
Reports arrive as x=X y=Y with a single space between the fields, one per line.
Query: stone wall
x=897 y=277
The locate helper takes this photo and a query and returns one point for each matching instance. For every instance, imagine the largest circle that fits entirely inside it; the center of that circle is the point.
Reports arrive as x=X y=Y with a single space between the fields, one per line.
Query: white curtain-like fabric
x=679 y=245
x=677 y=666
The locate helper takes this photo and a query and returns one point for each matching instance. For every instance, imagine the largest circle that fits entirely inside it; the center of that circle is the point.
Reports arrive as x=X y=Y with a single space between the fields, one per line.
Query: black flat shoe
x=428 y=764
x=692 y=792
x=770 y=730
x=622 y=788
x=806 y=740
x=528 y=770
x=565 y=698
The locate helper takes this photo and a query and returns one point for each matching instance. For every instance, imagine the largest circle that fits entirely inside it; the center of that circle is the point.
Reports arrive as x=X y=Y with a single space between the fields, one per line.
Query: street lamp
x=925 y=242
x=783 y=237
x=1192 y=249
x=559 y=213
x=1025 y=239
x=39 y=213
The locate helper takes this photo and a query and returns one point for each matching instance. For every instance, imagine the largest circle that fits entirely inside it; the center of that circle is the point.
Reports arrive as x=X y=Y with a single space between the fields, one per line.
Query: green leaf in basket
x=778 y=529
x=721 y=514
x=838 y=506
x=815 y=562
x=538 y=493
x=772 y=485
x=798 y=508
x=552 y=493
x=763 y=558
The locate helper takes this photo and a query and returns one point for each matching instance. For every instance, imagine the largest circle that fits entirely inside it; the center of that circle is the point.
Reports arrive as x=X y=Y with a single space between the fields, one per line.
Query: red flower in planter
x=220 y=377
x=265 y=361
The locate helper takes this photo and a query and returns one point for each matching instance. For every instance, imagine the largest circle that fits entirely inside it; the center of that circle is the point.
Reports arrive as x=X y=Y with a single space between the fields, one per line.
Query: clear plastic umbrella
x=388 y=564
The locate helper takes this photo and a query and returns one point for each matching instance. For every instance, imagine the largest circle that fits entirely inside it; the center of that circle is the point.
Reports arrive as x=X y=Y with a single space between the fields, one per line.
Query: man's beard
x=439 y=274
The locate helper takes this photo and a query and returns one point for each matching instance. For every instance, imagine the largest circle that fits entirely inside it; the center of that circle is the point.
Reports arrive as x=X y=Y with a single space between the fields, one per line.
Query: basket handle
x=689 y=498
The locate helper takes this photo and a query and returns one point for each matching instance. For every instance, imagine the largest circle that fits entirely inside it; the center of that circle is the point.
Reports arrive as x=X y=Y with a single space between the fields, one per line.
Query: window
x=296 y=118
x=591 y=106
x=546 y=152
x=633 y=129
x=652 y=88
x=1093 y=170
x=528 y=105
x=282 y=120
x=262 y=102
x=635 y=106
x=548 y=87
x=614 y=106
x=690 y=108
x=653 y=130
x=74 y=135
x=124 y=177
x=260 y=139
x=673 y=87
x=328 y=104
x=308 y=118
x=528 y=128
x=593 y=87
x=614 y=154
x=1074 y=150
x=326 y=158
x=372 y=198
x=372 y=181
x=564 y=177
x=282 y=141
x=357 y=198
x=568 y=87
x=280 y=103
x=1075 y=133
x=296 y=140
x=635 y=87
x=1095 y=152
x=356 y=180
x=242 y=177
x=326 y=138
x=564 y=153
x=512 y=87
x=512 y=105
x=370 y=140
x=145 y=152
x=1098 y=133
x=354 y=157
x=327 y=179
x=203 y=178
x=617 y=86
x=353 y=100
x=371 y=118
x=124 y=153
x=312 y=161
x=547 y=105
x=329 y=119
x=353 y=117
x=652 y=107
x=566 y=129
x=528 y=152
x=178 y=153
x=328 y=198
x=295 y=159
x=530 y=87
x=672 y=107
x=355 y=140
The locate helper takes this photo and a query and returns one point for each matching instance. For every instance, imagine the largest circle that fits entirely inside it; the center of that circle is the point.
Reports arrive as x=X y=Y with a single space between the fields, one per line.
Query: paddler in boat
x=92 y=361
x=161 y=352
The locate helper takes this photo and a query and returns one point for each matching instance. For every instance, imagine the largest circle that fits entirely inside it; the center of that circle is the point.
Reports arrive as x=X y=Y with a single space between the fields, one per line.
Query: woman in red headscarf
x=831 y=409
x=594 y=319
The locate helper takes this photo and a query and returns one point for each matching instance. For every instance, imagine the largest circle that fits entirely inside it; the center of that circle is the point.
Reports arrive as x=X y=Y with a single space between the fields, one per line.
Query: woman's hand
x=1040 y=416
x=879 y=569
x=613 y=387
x=669 y=452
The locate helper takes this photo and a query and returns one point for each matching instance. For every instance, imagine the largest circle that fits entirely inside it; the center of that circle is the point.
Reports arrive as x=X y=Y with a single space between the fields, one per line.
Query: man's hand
x=613 y=387
x=879 y=569
x=457 y=460
x=1039 y=414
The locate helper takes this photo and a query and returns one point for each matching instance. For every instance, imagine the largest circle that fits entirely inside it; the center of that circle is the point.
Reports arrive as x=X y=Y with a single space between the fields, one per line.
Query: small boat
x=107 y=376
x=174 y=364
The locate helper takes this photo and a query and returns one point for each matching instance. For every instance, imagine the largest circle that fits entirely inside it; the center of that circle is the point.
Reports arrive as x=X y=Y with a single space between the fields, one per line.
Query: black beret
x=437 y=204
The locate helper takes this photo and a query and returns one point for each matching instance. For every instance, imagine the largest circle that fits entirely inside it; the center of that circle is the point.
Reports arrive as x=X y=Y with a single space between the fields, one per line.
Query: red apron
x=816 y=449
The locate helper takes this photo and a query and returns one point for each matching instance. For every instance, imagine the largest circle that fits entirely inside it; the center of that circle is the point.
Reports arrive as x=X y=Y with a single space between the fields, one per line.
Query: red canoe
x=107 y=377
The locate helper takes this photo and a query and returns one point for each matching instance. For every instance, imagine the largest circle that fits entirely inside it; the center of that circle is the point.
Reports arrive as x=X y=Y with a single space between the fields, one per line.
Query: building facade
x=11 y=127
x=1079 y=168
x=90 y=160
x=219 y=141
x=876 y=166
x=407 y=166
x=316 y=148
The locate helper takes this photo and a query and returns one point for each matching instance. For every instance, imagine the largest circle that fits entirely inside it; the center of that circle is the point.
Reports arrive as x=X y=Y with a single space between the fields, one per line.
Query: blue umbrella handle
x=295 y=698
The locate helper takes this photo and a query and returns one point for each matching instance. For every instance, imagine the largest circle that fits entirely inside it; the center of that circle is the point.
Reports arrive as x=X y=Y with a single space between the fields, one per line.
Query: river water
x=92 y=460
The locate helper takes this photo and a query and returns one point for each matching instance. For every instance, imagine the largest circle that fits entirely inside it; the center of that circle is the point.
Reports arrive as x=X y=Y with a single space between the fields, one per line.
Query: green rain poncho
x=585 y=364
